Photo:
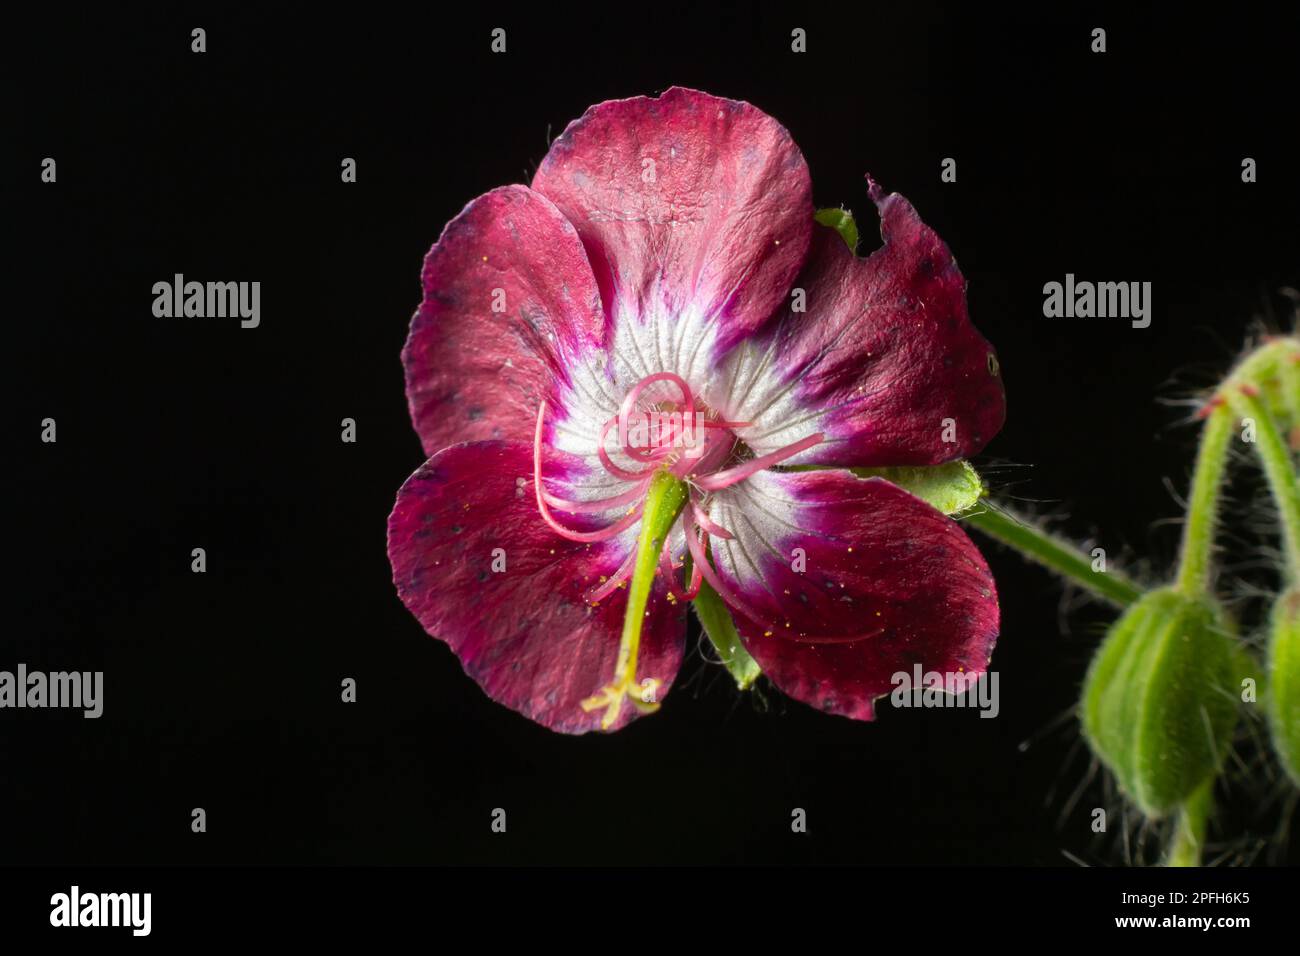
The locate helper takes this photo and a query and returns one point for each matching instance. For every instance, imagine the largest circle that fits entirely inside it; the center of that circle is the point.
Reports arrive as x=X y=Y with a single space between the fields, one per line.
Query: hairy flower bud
x=1160 y=700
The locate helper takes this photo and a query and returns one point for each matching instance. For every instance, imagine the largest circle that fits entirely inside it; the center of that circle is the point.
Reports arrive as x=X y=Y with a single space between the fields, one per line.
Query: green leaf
x=1159 y=703
x=718 y=625
x=841 y=220
x=951 y=488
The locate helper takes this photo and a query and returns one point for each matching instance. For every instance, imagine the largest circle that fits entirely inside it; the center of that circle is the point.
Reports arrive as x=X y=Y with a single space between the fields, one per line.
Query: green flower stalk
x=1054 y=553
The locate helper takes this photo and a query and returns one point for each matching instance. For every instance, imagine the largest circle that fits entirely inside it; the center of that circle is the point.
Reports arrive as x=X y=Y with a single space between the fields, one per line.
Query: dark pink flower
x=665 y=259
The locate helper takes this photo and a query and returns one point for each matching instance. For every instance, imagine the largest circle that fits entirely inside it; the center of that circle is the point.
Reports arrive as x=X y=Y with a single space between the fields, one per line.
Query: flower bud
x=1160 y=700
x=1284 y=681
x=1279 y=387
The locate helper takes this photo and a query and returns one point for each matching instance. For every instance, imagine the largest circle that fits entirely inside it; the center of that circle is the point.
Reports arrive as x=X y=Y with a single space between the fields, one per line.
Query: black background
x=222 y=689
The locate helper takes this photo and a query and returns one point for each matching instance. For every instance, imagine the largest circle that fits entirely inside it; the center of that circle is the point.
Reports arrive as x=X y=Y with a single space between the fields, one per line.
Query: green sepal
x=841 y=220
x=1159 y=703
x=951 y=488
x=720 y=628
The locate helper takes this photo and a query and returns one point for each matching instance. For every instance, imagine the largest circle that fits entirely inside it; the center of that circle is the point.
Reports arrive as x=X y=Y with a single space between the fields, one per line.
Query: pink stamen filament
x=666 y=566
x=707 y=523
x=602 y=534
x=612 y=468
x=596 y=504
x=701 y=562
x=714 y=453
x=598 y=594
x=683 y=463
x=629 y=401
x=729 y=476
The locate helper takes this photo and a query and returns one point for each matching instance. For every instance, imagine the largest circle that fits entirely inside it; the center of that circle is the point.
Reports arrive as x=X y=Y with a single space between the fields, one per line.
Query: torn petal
x=884 y=361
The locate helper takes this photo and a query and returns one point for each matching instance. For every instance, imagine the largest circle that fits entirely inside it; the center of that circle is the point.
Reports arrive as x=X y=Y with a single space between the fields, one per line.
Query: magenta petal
x=509 y=300
x=884 y=357
x=525 y=635
x=687 y=204
x=887 y=582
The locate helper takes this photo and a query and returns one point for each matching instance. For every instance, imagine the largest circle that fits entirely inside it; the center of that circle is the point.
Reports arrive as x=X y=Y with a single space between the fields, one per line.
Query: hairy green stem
x=1189 y=834
x=1279 y=471
x=1203 y=504
x=1055 y=554
x=1240 y=389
